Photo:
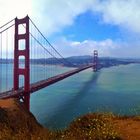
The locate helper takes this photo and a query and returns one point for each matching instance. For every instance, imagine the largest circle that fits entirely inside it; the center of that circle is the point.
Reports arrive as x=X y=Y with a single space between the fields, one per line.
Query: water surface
x=115 y=89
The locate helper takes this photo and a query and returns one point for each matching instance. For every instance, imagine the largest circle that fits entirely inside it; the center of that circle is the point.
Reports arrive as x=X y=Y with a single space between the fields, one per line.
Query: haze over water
x=115 y=89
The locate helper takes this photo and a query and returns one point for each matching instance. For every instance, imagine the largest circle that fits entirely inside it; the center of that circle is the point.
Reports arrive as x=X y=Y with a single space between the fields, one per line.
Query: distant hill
x=76 y=61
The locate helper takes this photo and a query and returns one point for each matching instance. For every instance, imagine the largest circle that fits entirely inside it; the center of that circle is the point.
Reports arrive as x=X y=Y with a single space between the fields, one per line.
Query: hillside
x=77 y=61
x=16 y=123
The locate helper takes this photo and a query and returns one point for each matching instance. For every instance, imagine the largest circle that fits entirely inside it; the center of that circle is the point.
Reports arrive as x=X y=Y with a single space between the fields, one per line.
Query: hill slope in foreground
x=16 y=123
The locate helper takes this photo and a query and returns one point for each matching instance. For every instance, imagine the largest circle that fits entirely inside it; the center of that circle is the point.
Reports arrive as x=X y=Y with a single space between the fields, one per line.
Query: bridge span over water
x=27 y=47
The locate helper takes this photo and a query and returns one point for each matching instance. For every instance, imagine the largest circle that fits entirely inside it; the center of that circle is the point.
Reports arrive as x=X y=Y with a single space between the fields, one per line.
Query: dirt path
x=7 y=103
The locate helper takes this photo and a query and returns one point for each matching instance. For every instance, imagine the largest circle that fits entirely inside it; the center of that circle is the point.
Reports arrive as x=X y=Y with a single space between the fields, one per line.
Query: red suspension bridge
x=22 y=45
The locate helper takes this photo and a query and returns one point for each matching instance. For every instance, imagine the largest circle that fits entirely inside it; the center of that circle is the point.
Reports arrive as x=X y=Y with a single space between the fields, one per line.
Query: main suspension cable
x=7 y=28
x=50 y=43
x=44 y=47
x=7 y=23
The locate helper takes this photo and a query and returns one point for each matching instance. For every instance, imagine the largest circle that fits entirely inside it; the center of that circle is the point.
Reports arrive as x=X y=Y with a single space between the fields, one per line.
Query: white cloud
x=52 y=15
x=9 y=9
x=125 y=13
x=55 y=15
x=106 y=48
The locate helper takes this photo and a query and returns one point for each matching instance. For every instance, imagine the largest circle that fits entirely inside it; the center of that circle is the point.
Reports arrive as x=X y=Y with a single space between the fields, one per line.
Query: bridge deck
x=42 y=84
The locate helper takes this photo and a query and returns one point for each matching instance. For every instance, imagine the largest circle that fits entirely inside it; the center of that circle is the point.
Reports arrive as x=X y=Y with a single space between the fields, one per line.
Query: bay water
x=115 y=89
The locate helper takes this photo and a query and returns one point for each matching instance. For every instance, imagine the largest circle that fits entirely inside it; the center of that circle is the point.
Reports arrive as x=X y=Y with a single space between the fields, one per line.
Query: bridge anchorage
x=23 y=92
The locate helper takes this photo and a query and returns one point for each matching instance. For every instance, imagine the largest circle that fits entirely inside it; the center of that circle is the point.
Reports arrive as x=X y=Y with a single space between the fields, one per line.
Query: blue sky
x=88 y=26
x=78 y=27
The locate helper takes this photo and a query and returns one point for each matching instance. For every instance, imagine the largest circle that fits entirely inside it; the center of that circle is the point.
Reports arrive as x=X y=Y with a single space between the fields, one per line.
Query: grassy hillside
x=16 y=123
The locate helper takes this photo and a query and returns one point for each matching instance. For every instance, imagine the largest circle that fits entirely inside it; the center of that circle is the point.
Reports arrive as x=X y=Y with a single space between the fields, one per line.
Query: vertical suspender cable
x=12 y=57
x=6 y=60
x=31 y=56
x=1 y=62
x=37 y=56
x=33 y=47
x=46 y=64
x=35 y=61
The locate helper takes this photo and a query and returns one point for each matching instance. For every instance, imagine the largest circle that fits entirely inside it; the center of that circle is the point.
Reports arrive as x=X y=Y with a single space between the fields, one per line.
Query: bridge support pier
x=95 y=61
x=19 y=52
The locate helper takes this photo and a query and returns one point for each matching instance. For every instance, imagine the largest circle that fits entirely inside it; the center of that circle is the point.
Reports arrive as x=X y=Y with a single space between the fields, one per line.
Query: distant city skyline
x=79 y=27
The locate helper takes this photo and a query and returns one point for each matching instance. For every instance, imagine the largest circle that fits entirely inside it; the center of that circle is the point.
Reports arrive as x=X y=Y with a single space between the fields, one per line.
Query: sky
x=77 y=27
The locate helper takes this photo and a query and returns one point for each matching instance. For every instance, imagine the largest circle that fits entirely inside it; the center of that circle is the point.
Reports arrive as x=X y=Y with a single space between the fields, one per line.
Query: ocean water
x=115 y=89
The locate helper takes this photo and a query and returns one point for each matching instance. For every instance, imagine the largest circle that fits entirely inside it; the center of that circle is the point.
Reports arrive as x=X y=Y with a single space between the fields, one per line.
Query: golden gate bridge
x=21 y=44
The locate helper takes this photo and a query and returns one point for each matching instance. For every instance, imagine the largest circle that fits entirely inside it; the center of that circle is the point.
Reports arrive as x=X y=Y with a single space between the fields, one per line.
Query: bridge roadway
x=43 y=83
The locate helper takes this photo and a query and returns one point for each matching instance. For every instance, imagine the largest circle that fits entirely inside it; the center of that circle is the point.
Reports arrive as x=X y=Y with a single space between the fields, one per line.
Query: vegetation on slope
x=89 y=127
x=16 y=123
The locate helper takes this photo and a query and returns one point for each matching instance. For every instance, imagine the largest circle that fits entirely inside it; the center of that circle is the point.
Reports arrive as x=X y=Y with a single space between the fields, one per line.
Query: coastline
x=17 y=123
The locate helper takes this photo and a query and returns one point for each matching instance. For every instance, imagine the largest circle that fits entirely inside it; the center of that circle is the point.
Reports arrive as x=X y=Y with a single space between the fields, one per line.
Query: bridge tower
x=95 y=61
x=18 y=52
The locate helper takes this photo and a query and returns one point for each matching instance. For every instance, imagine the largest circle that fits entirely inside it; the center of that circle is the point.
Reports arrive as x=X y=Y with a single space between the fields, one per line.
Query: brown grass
x=16 y=123
x=89 y=127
